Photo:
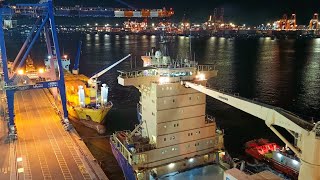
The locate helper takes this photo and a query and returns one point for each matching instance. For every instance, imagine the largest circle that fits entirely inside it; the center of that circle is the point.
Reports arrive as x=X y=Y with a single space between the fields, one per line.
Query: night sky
x=236 y=11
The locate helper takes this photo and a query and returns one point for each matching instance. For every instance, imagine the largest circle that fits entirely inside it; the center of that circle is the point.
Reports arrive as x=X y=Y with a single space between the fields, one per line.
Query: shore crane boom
x=307 y=135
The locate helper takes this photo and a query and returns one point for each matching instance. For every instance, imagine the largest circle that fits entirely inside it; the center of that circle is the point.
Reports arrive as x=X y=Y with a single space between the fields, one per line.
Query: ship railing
x=122 y=148
x=135 y=74
x=206 y=67
x=175 y=65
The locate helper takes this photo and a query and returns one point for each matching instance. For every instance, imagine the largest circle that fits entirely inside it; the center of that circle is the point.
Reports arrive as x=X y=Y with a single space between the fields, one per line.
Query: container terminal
x=38 y=141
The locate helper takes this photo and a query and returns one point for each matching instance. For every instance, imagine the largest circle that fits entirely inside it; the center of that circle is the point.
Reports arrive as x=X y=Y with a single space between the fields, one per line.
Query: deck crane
x=93 y=79
x=307 y=135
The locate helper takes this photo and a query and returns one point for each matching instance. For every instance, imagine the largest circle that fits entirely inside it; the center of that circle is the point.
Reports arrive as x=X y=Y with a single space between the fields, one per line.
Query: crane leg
x=12 y=133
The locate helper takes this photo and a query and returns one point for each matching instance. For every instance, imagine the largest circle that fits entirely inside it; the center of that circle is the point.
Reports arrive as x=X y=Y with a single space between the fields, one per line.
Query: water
x=284 y=73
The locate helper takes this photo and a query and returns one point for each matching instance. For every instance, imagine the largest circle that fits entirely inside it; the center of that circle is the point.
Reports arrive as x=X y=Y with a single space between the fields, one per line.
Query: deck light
x=171 y=165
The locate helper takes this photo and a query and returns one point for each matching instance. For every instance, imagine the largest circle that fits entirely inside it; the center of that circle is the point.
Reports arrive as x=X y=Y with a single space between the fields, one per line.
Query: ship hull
x=92 y=118
x=123 y=163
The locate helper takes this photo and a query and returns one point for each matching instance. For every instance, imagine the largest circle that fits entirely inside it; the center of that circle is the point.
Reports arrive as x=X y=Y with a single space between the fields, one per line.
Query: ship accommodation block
x=174 y=120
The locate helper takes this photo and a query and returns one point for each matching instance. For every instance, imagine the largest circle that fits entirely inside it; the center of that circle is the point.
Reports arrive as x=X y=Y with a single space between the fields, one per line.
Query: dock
x=43 y=149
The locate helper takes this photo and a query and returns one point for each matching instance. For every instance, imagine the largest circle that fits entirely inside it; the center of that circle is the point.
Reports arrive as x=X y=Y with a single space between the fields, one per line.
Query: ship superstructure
x=174 y=133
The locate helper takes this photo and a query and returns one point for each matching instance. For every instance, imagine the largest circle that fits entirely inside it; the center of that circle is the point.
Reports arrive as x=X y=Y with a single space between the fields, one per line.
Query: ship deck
x=43 y=150
x=212 y=172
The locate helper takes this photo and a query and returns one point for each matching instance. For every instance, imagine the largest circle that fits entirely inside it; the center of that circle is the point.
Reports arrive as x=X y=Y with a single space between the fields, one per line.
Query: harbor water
x=284 y=73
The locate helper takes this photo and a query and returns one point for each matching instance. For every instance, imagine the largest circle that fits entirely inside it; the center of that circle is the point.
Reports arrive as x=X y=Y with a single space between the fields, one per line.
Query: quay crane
x=307 y=135
x=291 y=23
x=12 y=79
x=314 y=22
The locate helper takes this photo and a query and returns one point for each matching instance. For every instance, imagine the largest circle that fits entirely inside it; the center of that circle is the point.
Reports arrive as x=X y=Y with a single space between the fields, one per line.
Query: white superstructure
x=175 y=133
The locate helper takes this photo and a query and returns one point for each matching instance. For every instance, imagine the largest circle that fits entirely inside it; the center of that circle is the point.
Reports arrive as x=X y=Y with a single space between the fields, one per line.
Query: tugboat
x=273 y=155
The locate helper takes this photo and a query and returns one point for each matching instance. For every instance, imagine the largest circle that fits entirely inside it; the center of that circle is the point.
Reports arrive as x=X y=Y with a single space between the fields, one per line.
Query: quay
x=43 y=149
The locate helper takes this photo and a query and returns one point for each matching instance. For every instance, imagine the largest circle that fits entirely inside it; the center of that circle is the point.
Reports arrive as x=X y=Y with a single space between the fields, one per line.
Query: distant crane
x=291 y=23
x=314 y=22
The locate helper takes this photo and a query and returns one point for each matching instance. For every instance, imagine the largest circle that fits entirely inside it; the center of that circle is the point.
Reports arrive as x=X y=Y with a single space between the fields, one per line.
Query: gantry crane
x=314 y=22
x=307 y=135
x=14 y=79
x=291 y=23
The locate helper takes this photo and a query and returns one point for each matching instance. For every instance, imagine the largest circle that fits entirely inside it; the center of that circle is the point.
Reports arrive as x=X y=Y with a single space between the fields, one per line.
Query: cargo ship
x=85 y=103
x=279 y=159
x=174 y=133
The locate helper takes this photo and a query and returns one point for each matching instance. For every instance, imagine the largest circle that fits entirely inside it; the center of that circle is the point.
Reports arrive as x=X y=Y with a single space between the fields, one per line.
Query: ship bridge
x=164 y=74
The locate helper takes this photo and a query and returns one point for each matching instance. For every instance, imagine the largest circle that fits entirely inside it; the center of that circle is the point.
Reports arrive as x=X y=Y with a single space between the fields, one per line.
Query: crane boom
x=97 y=75
x=270 y=114
x=307 y=135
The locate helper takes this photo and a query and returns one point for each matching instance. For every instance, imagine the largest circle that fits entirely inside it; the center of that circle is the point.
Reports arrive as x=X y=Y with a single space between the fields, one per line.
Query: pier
x=43 y=149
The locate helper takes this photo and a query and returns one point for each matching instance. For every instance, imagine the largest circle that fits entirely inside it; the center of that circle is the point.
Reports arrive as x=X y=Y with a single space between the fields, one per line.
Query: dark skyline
x=237 y=11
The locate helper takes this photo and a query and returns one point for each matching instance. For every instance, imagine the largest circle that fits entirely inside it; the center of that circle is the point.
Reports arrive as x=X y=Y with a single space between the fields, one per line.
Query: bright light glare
x=201 y=77
x=65 y=56
x=163 y=80
x=41 y=70
x=295 y=162
x=171 y=165
x=20 y=71
x=279 y=155
x=49 y=57
x=191 y=160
